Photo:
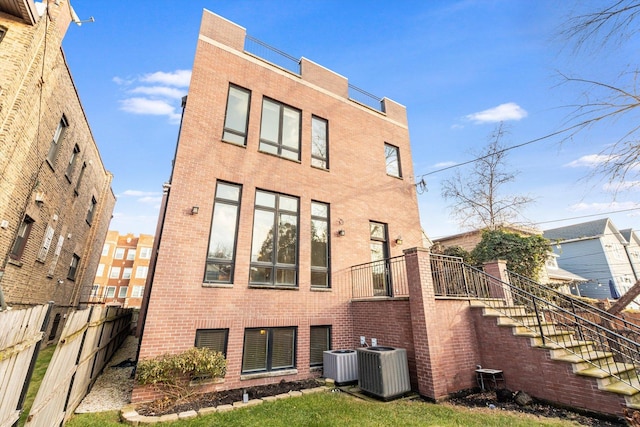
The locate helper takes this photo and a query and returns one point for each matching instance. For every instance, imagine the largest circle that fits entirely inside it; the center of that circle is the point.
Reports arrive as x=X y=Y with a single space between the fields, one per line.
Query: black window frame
x=316 y=269
x=3 y=32
x=324 y=159
x=201 y=337
x=213 y=261
x=279 y=144
x=73 y=267
x=227 y=132
x=76 y=190
x=396 y=150
x=56 y=141
x=91 y=211
x=318 y=351
x=269 y=350
x=275 y=266
x=22 y=238
x=72 y=162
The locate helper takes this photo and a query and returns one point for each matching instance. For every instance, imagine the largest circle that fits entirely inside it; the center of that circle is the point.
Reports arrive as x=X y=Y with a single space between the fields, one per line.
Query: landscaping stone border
x=130 y=416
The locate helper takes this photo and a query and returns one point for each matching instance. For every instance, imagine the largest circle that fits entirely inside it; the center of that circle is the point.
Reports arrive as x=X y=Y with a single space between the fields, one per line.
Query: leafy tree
x=525 y=255
x=477 y=198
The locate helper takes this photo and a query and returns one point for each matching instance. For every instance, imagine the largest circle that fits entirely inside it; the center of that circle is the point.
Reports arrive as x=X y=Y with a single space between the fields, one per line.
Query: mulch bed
x=489 y=400
x=213 y=399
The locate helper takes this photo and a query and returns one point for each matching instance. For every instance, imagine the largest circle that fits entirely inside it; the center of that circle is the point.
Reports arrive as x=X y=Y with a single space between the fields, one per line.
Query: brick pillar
x=431 y=382
x=498 y=272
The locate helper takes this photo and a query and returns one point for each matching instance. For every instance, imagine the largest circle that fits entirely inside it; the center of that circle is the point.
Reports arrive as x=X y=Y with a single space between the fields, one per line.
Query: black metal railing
x=290 y=63
x=383 y=278
x=452 y=279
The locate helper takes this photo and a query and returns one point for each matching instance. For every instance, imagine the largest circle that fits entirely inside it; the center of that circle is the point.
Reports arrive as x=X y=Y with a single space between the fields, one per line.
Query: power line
x=587 y=216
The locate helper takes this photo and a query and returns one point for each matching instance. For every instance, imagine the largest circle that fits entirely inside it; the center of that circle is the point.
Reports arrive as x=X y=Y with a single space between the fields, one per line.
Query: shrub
x=176 y=375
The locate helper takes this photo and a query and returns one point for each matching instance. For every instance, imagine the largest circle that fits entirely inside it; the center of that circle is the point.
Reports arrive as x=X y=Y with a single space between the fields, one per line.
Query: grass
x=338 y=409
x=42 y=362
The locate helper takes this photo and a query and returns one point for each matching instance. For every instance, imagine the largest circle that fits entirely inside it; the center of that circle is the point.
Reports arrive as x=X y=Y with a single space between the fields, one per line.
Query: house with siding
x=633 y=250
x=596 y=250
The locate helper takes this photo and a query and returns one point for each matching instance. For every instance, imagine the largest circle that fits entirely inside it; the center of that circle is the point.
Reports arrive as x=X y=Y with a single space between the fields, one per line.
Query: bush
x=176 y=375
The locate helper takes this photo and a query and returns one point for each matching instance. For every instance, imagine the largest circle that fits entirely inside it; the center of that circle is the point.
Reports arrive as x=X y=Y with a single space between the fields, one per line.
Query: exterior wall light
x=399 y=240
x=194 y=210
x=341 y=233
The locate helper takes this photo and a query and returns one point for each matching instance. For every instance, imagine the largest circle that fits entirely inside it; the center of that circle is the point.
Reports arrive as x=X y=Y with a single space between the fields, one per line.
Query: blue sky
x=459 y=67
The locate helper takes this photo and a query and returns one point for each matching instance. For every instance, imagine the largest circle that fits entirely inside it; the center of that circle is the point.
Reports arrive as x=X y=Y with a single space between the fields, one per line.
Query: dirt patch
x=490 y=401
x=213 y=399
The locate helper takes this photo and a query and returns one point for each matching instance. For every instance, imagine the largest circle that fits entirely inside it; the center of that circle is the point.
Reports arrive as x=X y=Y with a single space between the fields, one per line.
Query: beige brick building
x=281 y=183
x=122 y=273
x=55 y=193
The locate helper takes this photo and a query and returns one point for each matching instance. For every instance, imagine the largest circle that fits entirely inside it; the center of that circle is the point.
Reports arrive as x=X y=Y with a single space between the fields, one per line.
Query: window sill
x=268 y=374
x=217 y=285
x=396 y=177
x=233 y=143
x=15 y=262
x=285 y=288
x=316 y=368
x=280 y=157
x=320 y=169
x=314 y=289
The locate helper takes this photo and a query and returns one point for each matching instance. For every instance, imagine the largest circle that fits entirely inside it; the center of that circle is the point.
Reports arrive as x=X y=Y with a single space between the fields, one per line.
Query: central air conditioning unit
x=340 y=365
x=383 y=372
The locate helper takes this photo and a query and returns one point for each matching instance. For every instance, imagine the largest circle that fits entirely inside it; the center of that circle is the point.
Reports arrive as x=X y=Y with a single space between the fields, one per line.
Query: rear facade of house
x=281 y=183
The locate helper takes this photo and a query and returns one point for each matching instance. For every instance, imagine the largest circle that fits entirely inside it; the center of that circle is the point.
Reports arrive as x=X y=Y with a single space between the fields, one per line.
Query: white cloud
x=156 y=107
x=444 y=164
x=501 y=113
x=622 y=186
x=590 y=160
x=162 y=91
x=604 y=207
x=180 y=78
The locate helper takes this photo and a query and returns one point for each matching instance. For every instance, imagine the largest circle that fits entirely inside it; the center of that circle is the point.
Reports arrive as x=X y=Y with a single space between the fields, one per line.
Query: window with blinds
x=268 y=349
x=214 y=339
x=319 y=341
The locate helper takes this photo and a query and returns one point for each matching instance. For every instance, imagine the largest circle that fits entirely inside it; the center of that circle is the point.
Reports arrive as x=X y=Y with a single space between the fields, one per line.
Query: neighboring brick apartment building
x=281 y=183
x=55 y=193
x=122 y=272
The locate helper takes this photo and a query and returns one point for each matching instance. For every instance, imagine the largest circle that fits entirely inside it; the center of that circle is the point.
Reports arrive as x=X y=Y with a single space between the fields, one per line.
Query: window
x=91 y=210
x=100 y=270
x=73 y=267
x=110 y=292
x=3 y=31
x=56 y=255
x=141 y=272
x=274 y=248
x=77 y=189
x=319 y=341
x=131 y=254
x=237 y=115
x=21 y=239
x=46 y=243
x=280 y=130
x=214 y=339
x=105 y=249
x=95 y=291
x=126 y=273
x=72 y=162
x=119 y=253
x=392 y=157
x=122 y=292
x=145 y=253
x=115 y=273
x=319 y=143
x=224 y=231
x=268 y=349
x=56 y=141
x=137 y=292
x=319 y=245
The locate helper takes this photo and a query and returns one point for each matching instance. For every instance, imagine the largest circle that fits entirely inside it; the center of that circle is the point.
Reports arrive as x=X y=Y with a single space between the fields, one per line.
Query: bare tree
x=477 y=201
x=604 y=103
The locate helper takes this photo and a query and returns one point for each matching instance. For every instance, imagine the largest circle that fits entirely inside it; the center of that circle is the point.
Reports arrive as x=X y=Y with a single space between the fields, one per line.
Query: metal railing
x=384 y=278
x=282 y=59
x=452 y=279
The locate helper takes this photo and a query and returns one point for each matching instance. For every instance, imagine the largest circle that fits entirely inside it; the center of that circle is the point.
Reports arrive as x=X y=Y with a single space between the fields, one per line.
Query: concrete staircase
x=562 y=346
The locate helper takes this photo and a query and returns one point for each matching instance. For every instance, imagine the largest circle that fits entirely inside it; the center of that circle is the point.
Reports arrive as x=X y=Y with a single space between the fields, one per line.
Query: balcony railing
x=384 y=278
x=284 y=60
x=452 y=279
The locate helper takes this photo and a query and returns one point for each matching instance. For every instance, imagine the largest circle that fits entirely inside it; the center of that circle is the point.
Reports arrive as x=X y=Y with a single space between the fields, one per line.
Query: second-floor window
x=237 y=115
x=224 y=231
x=392 y=158
x=319 y=143
x=319 y=245
x=92 y=210
x=280 y=130
x=72 y=162
x=54 y=148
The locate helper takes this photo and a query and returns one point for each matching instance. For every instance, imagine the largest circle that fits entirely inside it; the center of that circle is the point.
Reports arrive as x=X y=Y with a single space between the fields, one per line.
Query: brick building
x=281 y=183
x=55 y=193
x=122 y=272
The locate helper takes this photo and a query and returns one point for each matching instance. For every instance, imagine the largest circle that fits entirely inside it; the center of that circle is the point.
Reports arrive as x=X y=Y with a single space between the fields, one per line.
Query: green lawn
x=338 y=409
x=42 y=362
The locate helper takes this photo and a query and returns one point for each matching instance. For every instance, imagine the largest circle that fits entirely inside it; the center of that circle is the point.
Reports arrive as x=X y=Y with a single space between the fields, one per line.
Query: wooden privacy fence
x=89 y=339
x=21 y=332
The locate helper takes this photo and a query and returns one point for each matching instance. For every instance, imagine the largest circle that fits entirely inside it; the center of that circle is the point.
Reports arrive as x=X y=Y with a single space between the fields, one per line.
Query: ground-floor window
x=269 y=349
x=320 y=341
x=214 y=339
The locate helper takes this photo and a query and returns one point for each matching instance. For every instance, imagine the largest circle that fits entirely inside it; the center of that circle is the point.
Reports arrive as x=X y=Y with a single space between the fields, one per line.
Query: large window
x=274 y=248
x=131 y=254
x=213 y=339
x=319 y=341
x=73 y=267
x=319 y=245
x=392 y=158
x=100 y=270
x=224 y=231
x=54 y=148
x=21 y=239
x=237 y=116
x=122 y=292
x=319 y=143
x=280 y=130
x=268 y=349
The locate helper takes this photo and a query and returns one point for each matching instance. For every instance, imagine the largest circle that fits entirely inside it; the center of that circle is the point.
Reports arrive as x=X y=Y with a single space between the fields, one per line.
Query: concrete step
x=559 y=337
x=505 y=311
x=569 y=348
x=605 y=371
x=581 y=360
